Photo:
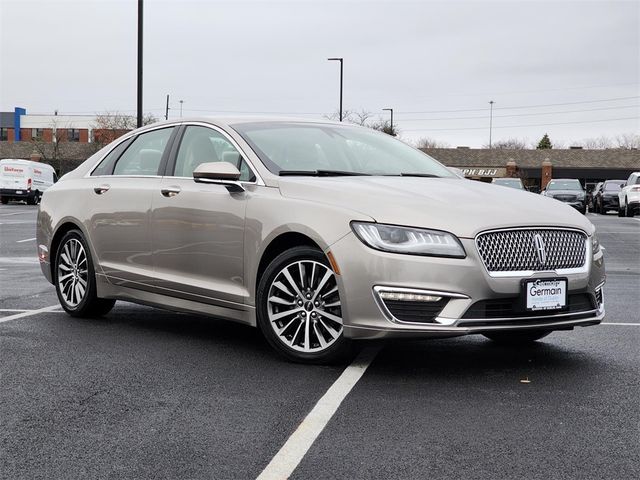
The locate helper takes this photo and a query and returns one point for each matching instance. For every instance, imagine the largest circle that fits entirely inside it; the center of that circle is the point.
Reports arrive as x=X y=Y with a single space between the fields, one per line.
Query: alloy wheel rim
x=72 y=272
x=304 y=308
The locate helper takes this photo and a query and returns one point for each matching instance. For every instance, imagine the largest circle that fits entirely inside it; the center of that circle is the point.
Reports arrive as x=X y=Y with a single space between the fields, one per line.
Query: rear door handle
x=170 y=191
x=101 y=189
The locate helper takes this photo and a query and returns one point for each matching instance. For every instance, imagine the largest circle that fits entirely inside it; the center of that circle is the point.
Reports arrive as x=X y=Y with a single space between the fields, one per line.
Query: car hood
x=463 y=207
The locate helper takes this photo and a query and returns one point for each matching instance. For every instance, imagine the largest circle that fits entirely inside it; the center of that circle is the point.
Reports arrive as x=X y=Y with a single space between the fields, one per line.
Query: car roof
x=239 y=120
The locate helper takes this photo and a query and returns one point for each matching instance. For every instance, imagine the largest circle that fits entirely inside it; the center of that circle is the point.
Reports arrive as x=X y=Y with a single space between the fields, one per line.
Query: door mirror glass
x=216 y=171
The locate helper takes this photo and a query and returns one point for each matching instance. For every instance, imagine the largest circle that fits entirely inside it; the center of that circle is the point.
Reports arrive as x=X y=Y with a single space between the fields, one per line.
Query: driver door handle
x=170 y=191
x=102 y=189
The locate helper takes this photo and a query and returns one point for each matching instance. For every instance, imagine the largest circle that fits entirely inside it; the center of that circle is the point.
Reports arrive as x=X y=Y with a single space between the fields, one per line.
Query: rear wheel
x=628 y=211
x=299 y=307
x=4 y=200
x=621 y=211
x=75 y=278
x=517 y=338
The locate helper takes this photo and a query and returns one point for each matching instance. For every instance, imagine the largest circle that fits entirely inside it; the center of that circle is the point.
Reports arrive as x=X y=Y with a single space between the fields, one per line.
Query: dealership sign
x=484 y=172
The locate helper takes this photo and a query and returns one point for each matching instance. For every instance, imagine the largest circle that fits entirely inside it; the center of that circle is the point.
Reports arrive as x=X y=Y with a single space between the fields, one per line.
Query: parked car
x=509 y=182
x=569 y=191
x=591 y=196
x=317 y=233
x=24 y=180
x=629 y=196
x=607 y=197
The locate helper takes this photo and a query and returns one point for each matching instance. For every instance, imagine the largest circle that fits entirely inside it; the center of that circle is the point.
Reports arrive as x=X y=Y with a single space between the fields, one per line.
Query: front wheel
x=75 y=278
x=517 y=338
x=299 y=308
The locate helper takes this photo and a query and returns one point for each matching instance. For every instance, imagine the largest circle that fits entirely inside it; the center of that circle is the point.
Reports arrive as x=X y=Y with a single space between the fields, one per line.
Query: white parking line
x=295 y=448
x=29 y=313
x=26 y=240
x=621 y=323
x=14 y=213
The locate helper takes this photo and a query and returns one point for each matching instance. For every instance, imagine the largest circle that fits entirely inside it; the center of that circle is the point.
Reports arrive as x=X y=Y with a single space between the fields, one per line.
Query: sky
x=567 y=68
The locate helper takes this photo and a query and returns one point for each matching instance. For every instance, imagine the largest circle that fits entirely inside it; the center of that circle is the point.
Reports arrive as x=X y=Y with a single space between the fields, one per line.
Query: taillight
x=29 y=184
x=635 y=189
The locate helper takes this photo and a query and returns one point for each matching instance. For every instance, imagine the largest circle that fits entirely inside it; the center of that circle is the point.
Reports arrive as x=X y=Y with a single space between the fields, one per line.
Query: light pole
x=339 y=59
x=139 y=107
x=390 y=110
x=181 y=102
x=490 y=121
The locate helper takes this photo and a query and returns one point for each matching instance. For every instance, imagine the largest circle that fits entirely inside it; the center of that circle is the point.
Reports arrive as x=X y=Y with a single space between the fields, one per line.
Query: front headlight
x=414 y=241
x=595 y=243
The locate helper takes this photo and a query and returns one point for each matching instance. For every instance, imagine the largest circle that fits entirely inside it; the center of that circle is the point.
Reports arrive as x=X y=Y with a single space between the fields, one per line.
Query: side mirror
x=219 y=173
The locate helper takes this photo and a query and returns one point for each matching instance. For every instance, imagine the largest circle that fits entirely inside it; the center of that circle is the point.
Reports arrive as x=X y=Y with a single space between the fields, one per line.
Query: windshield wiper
x=426 y=175
x=319 y=173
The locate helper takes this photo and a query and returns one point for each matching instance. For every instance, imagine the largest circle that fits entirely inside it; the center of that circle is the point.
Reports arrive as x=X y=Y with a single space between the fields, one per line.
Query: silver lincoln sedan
x=317 y=233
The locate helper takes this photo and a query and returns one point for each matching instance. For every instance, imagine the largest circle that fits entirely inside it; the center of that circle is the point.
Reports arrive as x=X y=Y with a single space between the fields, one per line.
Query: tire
x=302 y=282
x=73 y=269
x=4 y=200
x=628 y=212
x=620 y=212
x=33 y=199
x=517 y=338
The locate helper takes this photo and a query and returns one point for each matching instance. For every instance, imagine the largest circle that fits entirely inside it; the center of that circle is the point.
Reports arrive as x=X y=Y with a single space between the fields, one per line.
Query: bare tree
x=385 y=126
x=509 y=144
x=51 y=150
x=352 y=116
x=628 y=141
x=426 y=142
x=111 y=125
x=596 y=143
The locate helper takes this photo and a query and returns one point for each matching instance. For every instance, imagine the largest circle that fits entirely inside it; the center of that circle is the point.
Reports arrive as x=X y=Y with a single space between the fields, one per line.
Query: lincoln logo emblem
x=538 y=243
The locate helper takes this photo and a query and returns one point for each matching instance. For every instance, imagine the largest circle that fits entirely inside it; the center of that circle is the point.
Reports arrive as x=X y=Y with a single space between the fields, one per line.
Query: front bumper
x=610 y=203
x=464 y=282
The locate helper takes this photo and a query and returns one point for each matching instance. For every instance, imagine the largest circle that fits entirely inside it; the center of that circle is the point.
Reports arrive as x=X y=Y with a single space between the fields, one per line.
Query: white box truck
x=24 y=180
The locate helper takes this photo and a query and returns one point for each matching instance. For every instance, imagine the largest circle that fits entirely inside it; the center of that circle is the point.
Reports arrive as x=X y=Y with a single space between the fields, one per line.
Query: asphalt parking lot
x=144 y=393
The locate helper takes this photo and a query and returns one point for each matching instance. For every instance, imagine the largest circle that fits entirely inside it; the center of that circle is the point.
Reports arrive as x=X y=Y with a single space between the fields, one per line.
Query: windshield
x=296 y=148
x=612 y=186
x=564 y=185
x=509 y=182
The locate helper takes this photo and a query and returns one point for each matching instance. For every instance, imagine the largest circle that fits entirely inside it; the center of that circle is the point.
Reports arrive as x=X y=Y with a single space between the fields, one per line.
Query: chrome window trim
x=258 y=181
x=586 y=268
x=121 y=140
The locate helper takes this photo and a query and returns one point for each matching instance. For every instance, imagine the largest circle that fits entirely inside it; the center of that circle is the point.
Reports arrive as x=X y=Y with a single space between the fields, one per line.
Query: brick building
x=537 y=167
x=18 y=126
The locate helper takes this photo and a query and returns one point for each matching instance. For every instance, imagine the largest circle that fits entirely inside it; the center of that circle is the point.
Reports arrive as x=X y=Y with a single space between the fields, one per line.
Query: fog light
x=408 y=297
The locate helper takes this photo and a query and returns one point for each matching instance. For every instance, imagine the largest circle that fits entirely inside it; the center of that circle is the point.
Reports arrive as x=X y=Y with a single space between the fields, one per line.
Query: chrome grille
x=519 y=250
x=566 y=198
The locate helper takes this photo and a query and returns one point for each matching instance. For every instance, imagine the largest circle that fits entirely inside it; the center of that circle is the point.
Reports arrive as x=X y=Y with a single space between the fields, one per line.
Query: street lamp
x=139 y=106
x=181 y=102
x=390 y=110
x=339 y=59
x=490 y=120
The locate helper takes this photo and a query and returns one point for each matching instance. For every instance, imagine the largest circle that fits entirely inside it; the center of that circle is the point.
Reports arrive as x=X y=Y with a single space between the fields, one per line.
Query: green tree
x=544 y=143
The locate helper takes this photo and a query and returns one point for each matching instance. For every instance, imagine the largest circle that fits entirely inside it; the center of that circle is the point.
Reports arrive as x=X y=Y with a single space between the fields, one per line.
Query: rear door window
x=143 y=155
